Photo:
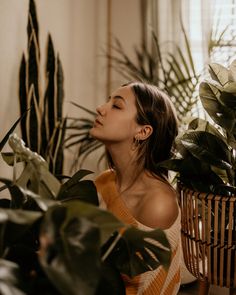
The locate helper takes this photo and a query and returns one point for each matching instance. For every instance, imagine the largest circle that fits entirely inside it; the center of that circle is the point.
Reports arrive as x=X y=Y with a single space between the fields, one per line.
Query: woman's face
x=116 y=119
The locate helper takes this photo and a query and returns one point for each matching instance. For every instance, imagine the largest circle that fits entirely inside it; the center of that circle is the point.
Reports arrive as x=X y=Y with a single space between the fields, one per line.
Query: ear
x=144 y=132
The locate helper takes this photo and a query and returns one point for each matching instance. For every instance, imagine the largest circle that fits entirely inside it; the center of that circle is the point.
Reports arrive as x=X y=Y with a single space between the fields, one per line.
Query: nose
x=101 y=110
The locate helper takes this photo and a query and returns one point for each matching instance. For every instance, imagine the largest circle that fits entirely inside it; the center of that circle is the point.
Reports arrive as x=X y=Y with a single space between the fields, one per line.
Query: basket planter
x=209 y=236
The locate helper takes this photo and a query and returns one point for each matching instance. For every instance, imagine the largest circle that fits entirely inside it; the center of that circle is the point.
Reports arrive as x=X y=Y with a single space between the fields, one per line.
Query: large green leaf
x=70 y=253
x=14 y=224
x=209 y=148
x=195 y=174
x=232 y=71
x=71 y=237
x=222 y=115
x=199 y=124
x=75 y=188
x=138 y=251
x=219 y=73
x=228 y=100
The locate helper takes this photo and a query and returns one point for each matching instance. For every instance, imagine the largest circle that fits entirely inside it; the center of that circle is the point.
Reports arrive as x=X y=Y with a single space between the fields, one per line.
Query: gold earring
x=135 y=143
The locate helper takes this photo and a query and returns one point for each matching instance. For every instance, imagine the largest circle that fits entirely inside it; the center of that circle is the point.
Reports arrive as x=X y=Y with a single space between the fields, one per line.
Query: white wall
x=79 y=33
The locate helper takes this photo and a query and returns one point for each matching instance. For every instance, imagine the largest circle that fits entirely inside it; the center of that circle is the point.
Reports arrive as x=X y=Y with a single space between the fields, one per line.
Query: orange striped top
x=156 y=282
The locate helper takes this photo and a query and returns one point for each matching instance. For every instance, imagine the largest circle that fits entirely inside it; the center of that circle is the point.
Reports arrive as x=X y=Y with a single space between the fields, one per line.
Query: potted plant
x=43 y=126
x=54 y=238
x=206 y=173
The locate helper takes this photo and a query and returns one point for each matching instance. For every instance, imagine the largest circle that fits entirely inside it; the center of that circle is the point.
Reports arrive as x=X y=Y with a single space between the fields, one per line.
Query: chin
x=92 y=132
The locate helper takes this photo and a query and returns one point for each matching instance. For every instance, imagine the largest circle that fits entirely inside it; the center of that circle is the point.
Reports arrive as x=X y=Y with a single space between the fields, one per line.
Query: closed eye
x=116 y=106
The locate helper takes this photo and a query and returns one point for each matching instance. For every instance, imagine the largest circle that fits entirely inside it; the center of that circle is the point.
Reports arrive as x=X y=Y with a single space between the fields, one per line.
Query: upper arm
x=160 y=209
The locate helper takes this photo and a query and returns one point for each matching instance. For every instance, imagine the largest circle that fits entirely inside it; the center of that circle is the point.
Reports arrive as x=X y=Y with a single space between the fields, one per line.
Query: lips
x=97 y=122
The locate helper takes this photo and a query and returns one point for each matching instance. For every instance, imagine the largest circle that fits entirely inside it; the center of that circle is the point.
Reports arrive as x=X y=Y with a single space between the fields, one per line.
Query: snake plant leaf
x=208 y=147
x=49 y=98
x=33 y=65
x=222 y=115
x=70 y=242
x=75 y=188
x=33 y=122
x=219 y=73
x=23 y=96
x=32 y=21
x=55 y=148
x=60 y=89
x=138 y=251
x=6 y=137
x=9 y=278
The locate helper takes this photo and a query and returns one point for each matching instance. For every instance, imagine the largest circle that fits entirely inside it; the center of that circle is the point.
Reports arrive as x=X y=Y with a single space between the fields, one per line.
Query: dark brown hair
x=154 y=108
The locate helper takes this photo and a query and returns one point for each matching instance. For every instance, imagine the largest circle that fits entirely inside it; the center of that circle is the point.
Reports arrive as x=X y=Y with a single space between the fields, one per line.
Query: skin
x=148 y=197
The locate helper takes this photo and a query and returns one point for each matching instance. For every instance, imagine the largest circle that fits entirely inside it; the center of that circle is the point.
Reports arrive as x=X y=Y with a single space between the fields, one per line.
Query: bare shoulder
x=159 y=208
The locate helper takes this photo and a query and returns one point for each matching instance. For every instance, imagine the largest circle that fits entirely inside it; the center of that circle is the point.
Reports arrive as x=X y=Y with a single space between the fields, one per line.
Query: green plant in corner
x=207 y=150
x=43 y=128
x=206 y=169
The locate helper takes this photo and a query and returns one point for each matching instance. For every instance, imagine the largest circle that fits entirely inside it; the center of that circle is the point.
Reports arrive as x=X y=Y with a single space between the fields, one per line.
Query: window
x=213 y=26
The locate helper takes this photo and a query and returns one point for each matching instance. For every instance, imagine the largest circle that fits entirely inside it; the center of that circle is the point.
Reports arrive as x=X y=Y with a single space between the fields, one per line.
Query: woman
x=138 y=127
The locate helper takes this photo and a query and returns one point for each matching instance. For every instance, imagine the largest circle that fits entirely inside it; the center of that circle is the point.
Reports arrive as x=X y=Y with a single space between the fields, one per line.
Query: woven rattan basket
x=209 y=236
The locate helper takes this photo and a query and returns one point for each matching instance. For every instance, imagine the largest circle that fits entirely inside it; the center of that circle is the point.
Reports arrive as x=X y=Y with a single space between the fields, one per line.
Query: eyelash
x=115 y=107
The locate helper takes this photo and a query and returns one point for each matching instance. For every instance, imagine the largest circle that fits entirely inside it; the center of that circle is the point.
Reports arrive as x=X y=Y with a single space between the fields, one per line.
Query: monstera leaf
x=75 y=188
x=70 y=241
x=138 y=251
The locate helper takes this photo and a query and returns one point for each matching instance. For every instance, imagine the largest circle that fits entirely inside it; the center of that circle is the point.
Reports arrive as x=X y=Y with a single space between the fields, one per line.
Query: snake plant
x=43 y=126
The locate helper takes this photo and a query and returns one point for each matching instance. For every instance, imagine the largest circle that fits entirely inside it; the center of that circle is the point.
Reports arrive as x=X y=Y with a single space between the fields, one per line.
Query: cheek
x=115 y=131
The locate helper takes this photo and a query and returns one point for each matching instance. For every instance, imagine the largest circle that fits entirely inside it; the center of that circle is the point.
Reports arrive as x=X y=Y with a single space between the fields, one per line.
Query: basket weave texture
x=208 y=224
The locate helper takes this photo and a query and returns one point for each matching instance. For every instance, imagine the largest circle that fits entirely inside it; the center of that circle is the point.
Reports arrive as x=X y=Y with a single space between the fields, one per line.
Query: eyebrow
x=117 y=97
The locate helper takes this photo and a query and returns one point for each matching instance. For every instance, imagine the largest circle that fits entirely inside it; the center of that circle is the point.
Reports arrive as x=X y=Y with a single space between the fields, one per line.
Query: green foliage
x=207 y=159
x=172 y=71
x=135 y=254
x=78 y=135
x=55 y=240
x=43 y=127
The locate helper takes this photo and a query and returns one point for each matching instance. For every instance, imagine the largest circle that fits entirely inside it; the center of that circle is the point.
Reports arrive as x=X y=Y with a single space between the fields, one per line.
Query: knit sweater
x=156 y=282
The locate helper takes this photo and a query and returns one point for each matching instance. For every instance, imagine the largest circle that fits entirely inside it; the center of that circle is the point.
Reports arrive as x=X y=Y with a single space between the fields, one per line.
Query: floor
x=192 y=289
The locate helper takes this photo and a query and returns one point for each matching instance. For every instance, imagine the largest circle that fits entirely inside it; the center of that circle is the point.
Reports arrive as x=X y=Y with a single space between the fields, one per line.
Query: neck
x=125 y=166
